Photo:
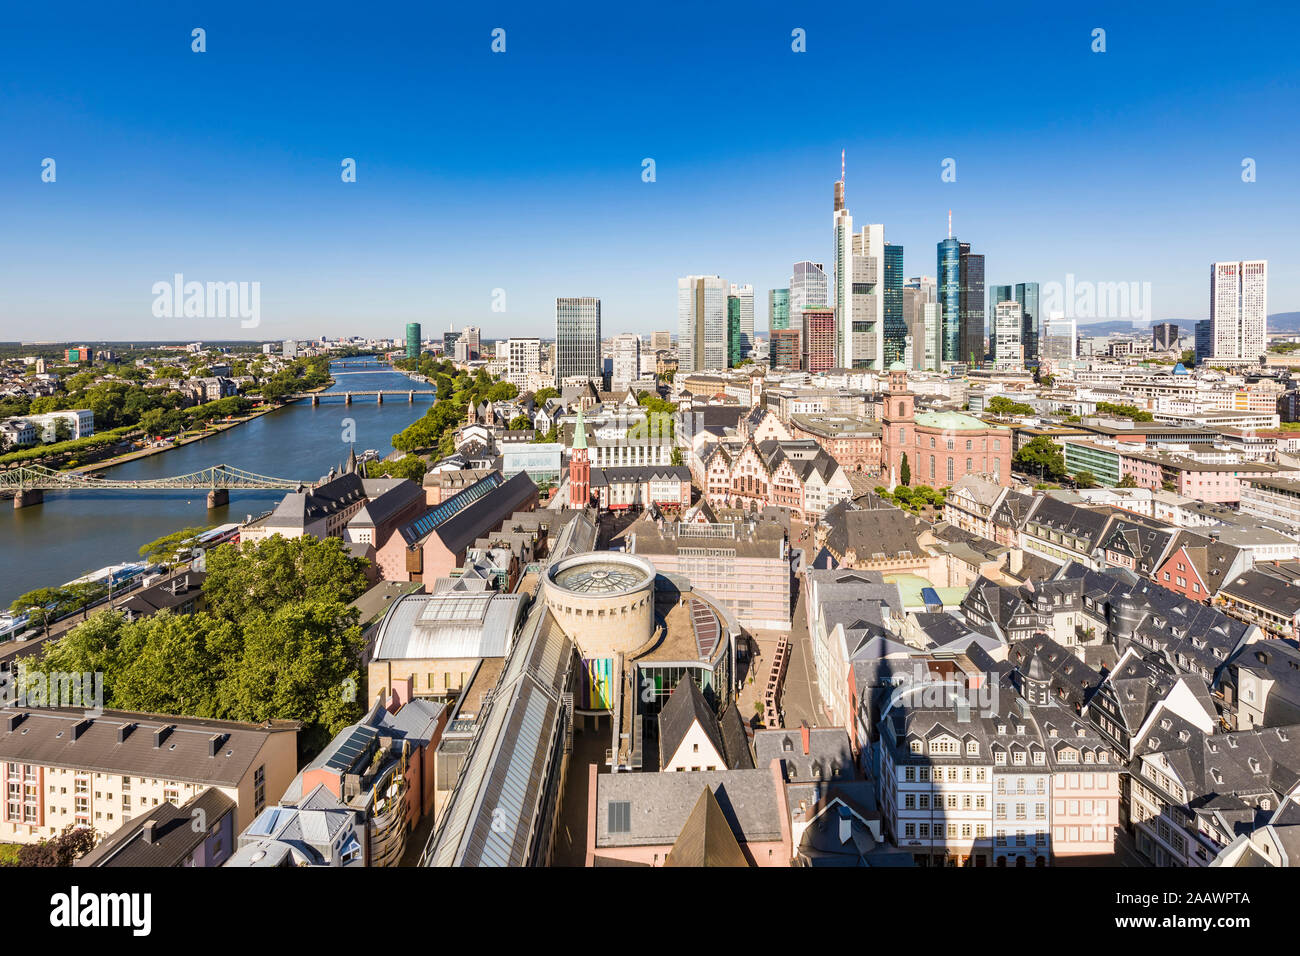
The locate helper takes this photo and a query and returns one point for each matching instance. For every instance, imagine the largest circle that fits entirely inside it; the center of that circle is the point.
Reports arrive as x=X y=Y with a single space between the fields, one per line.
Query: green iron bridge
x=28 y=483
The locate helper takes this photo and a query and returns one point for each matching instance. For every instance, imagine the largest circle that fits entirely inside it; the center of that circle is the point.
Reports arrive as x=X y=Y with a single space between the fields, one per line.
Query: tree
x=411 y=467
x=1042 y=457
x=85 y=593
x=165 y=550
x=1001 y=405
x=543 y=395
x=520 y=422
x=73 y=843
x=1126 y=482
x=42 y=604
x=271 y=573
x=676 y=457
x=905 y=471
x=1085 y=479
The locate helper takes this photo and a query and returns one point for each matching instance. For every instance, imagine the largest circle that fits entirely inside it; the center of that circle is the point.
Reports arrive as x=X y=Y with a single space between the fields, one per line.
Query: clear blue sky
x=522 y=170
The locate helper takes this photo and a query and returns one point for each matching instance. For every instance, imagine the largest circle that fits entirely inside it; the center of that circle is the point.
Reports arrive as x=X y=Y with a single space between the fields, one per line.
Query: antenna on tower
x=841 y=165
x=949 y=223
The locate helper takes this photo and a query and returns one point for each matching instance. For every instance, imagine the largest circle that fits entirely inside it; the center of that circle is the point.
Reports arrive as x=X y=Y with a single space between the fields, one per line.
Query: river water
x=75 y=532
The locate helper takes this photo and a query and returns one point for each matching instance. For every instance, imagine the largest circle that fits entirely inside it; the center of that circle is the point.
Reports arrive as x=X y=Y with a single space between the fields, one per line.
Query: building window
x=259 y=789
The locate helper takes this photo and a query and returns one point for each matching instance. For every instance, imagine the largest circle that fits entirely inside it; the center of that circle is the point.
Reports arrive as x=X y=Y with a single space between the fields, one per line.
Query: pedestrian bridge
x=29 y=483
x=318 y=397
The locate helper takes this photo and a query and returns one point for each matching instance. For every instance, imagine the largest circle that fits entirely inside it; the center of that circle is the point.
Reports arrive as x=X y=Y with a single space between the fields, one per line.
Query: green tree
x=85 y=593
x=1126 y=482
x=1042 y=457
x=676 y=457
x=543 y=395
x=271 y=573
x=520 y=422
x=70 y=845
x=411 y=467
x=42 y=605
x=164 y=550
x=1085 y=479
x=1001 y=405
x=905 y=471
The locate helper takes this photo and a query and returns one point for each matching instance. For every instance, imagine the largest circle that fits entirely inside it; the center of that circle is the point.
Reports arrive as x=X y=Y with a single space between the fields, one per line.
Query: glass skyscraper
x=1031 y=328
x=949 y=269
x=577 y=339
x=778 y=309
x=735 y=337
x=895 y=323
x=413 y=340
x=971 y=306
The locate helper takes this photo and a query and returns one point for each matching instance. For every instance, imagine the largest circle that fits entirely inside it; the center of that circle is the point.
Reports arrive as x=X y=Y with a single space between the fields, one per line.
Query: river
x=75 y=532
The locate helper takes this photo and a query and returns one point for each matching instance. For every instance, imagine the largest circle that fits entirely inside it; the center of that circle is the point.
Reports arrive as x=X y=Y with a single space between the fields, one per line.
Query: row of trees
x=436 y=429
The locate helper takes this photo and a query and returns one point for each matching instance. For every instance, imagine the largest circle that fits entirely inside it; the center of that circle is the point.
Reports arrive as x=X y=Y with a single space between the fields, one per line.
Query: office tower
x=997 y=295
x=971 y=306
x=413 y=340
x=661 y=341
x=895 y=327
x=818 y=338
x=949 y=289
x=702 y=323
x=808 y=287
x=842 y=273
x=744 y=295
x=449 y=339
x=1164 y=336
x=290 y=349
x=1059 y=342
x=577 y=339
x=1239 y=310
x=786 y=352
x=1008 y=352
x=926 y=284
x=734 y=337
x=627 y=361
x=914 y=320
x=1204 y=340
x=523 y=360
x=1026 y=294
x=933 y=349
x=778 y=309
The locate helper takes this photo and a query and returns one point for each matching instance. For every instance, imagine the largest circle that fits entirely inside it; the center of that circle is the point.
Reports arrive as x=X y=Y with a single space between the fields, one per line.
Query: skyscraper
x=413 y=340
x=778 y=309
x=786 y=352
x=735 y=340
x=808 y=287
x=1164 y=336
x=744 y=295
x=1008 y=352
x=895 y=337
x=523 y=359
x=818 y=338
x=701 y=323
x=1059 y=342
x=1030 y=320
x=971 y=306
x=861 y=324
x=949 y=282
x=577 y=339
x=1239 y=310
x=997 y=295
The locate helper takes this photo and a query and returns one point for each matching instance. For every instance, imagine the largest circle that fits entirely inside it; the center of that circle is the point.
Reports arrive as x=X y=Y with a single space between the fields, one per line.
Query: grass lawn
x=8 y=853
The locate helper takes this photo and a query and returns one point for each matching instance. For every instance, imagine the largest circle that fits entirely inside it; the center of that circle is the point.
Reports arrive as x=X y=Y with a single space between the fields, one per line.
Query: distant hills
x=1277 y=322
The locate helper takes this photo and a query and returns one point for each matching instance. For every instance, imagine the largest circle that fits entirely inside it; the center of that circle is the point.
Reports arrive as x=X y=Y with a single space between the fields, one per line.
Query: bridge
x=347 y=397
x=28 y=483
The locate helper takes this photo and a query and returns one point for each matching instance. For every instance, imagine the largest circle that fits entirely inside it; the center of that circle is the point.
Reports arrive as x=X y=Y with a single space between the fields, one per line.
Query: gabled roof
x=685 y=708
x=706 y=838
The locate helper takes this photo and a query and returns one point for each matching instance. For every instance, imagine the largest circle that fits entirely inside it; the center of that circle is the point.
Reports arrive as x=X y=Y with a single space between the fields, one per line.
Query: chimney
x=124 y=731
x=806 y=734
x=80 y=727
x=14 y=719
x=150 y=831
x=215 y=742
x=161 y=734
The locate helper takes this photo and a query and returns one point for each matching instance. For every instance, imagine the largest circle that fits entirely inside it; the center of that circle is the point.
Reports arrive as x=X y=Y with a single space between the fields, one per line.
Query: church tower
x=579 y=467
x=897 y=425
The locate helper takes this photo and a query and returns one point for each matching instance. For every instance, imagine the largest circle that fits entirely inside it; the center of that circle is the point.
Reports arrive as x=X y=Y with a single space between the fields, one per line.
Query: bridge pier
x=410 y=397
x=218 y=498
x=28 y=497
x=380 y=395
x=347 y=398
x=315 y=399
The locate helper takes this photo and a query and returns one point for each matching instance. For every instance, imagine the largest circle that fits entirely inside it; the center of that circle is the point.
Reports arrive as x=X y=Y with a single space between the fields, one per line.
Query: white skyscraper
x=808 y=288
x=701 y=323
x=1239 y=310
x=858 y=301
x=745 y=293
x=627 y=360
x=1060 y=338
x=523 y=359
x=933 y=342
x=1008 y=349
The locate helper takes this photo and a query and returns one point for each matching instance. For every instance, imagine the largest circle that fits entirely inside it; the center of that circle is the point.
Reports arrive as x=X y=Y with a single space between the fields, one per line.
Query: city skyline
x=137 y=200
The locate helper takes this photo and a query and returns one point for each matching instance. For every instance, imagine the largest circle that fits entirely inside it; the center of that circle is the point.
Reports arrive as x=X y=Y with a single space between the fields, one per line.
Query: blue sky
x=522 y=171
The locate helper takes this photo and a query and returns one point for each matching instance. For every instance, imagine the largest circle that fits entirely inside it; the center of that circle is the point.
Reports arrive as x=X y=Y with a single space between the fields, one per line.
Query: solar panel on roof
x=352 y=748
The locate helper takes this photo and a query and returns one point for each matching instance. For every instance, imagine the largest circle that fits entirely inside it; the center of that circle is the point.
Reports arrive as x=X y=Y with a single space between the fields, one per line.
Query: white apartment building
x=1008 y=349
x=523 y=360
x=627 y=361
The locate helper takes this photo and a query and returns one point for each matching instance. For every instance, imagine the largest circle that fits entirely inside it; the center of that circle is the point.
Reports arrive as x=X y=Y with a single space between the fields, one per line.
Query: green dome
x=898 y=367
